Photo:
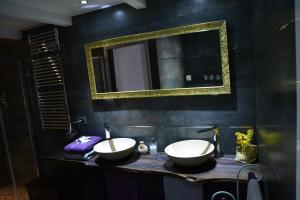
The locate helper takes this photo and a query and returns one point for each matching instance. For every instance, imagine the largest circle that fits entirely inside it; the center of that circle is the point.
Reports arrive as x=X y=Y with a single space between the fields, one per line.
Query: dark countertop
x=222 y=169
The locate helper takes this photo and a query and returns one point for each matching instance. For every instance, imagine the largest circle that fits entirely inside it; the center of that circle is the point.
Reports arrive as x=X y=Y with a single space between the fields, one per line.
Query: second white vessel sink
x=115 y=149
x=189 y=153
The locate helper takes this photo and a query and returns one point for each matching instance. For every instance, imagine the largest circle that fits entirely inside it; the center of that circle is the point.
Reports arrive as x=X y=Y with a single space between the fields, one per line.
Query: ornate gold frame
x=215 y=90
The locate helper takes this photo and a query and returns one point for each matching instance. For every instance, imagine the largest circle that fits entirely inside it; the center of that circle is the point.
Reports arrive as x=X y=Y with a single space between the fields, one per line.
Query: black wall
x=9 y=54
x=4 y=168
x=15 y=125
x=166 y=115
x=276 y=95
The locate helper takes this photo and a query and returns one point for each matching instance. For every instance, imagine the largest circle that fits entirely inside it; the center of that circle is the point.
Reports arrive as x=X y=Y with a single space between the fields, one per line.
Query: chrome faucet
x=218 y=152
x=107 y=130
x=72 y=132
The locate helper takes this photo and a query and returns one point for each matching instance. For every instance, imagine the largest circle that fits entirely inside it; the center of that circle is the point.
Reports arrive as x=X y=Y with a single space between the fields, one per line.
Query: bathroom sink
x=189 y=153
x=115 y=149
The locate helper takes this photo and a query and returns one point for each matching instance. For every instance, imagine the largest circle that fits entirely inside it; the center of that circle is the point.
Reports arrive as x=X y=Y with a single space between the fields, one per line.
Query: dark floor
x=10 y=193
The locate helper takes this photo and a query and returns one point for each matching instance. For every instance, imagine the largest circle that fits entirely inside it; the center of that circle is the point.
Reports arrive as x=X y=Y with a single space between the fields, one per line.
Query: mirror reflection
x=180 y=61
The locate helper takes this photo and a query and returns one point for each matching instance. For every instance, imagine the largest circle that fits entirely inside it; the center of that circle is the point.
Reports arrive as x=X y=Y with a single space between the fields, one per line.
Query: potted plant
x=245 y=151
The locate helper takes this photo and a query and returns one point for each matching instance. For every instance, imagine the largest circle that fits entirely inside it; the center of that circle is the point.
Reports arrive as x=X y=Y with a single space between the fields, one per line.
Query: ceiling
x=19 y=15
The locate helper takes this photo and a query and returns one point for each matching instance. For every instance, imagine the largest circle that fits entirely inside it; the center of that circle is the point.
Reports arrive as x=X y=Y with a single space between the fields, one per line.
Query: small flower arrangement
x=245 y=151
x=244 y=140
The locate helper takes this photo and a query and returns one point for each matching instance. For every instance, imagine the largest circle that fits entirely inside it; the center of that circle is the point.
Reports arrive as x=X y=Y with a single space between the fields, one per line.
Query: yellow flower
x=244 y=140
x=239 y=137
x=238 y=133
x=250 y=132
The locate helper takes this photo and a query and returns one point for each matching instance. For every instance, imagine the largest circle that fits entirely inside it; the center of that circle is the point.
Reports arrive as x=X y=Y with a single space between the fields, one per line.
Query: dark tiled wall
x=276 y=95
x=167 y=114
x=6 y=54
x=15 y=129
x=4 y=169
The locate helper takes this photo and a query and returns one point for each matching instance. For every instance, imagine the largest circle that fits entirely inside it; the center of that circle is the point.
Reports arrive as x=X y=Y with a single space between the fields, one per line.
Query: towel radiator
x=49 y=81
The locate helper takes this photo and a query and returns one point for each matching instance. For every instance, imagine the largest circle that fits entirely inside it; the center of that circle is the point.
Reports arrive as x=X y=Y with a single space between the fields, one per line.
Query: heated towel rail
x=49 y=81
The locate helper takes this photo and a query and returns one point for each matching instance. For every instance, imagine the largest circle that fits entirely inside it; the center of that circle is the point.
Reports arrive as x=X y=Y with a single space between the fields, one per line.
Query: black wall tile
x=276 y=95
x=236 y=109
x=225 y=110
x=4 y=167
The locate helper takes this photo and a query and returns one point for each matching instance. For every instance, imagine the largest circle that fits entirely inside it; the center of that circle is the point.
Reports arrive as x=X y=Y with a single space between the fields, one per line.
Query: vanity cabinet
x=116 y=185
x=69 y=180
x=125 y=185
x=137 y=178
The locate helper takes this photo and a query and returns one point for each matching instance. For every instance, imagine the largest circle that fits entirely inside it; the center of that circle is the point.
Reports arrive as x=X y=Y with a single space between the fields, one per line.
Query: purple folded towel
x=82 y=144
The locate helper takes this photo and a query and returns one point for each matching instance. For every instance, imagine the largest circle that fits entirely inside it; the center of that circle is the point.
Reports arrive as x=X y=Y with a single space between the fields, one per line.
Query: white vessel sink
x=115 y=149
x=189 y=152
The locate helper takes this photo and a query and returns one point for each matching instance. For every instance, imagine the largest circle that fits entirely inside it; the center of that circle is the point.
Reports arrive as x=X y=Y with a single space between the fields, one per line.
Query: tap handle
x=214 y=126
x=107 y=126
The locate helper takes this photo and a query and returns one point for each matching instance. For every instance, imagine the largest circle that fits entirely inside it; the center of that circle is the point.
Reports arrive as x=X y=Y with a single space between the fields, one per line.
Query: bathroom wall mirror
x=186 y=60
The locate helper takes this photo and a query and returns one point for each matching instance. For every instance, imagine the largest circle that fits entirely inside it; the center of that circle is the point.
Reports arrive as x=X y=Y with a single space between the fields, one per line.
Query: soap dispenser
x=153 y=147
x=142 y=148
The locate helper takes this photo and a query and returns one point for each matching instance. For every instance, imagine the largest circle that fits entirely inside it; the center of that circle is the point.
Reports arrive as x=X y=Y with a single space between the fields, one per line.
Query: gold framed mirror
x=180 y=61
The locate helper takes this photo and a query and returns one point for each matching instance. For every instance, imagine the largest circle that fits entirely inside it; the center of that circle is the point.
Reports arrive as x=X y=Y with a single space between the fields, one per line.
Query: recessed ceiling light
x=105 y=6
x=83 y=2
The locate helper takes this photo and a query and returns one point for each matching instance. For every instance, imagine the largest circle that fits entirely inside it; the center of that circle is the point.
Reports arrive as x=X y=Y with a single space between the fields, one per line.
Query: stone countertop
x=221 y=169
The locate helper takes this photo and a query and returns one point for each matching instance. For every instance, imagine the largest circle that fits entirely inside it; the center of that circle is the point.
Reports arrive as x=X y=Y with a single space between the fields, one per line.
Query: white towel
x=253 y=191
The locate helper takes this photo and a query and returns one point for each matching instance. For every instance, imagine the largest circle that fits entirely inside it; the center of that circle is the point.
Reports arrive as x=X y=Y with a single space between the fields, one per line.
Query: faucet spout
x=218 y=151
x=107 y=129
x=214 y=137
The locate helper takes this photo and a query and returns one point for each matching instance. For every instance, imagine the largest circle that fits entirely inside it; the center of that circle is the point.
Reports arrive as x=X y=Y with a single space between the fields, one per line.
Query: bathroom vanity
x=142 y=177
x=222 y=169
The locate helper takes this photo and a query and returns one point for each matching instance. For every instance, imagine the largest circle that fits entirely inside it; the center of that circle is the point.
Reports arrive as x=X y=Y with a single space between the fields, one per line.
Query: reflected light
x=119 y=13
x=83 y=2
x=105 y=6
x=90 y=6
